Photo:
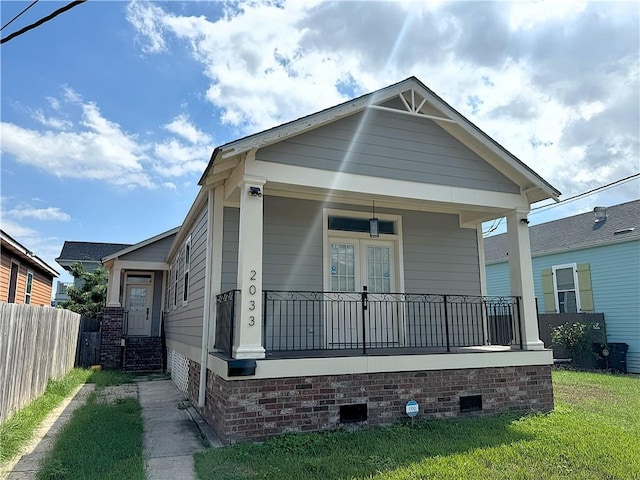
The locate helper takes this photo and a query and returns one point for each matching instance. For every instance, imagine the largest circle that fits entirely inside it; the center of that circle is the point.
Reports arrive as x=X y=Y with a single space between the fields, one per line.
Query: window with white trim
x=566 y=290
x=187 y=267
x=175 y=285
x=27 y=294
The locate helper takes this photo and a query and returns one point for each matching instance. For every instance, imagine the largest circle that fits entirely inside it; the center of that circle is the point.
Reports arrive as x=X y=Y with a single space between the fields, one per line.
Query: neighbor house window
x=27 y=295
x=565 y=283
x=187 y=267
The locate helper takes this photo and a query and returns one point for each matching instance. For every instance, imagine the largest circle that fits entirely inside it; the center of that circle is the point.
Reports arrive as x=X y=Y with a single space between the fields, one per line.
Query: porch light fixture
x=255 y=192
x=373 y=224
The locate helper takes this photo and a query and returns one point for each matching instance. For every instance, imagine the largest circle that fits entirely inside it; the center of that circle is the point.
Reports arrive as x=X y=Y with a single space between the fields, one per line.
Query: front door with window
x=356 y=263
x=139 y=310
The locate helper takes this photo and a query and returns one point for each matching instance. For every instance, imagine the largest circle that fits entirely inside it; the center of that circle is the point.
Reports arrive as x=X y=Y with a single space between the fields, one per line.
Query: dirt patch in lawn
x=576 y=394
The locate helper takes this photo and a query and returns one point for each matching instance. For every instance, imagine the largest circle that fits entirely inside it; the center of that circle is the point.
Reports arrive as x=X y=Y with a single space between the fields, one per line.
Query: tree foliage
x=90 y=298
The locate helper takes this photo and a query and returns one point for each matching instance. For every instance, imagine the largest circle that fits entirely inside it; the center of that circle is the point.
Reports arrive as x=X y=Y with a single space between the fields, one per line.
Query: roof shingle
x=572 y=233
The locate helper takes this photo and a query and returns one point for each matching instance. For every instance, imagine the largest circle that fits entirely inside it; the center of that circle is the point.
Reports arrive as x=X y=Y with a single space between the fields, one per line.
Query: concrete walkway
x=173 y=431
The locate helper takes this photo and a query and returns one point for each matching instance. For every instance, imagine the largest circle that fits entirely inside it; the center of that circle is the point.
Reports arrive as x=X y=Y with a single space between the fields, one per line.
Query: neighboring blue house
x=585 y=263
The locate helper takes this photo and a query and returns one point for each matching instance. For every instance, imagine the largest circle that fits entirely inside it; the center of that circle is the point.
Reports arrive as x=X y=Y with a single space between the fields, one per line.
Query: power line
x=498 y=222
x=14 y=18
x=584 y=194
x=42 y=20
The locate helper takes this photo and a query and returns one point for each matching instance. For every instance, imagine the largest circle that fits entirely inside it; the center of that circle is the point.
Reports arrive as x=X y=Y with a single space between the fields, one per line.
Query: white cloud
x=183 y=127
x=143 y=17
x=49 y=213
x=176 y=159
x=540 y=79
x=96 y=148
x=52 y=122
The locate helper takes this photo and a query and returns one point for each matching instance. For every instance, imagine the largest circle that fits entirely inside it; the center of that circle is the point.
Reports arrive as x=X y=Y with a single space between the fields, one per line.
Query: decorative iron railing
x=296 y=321
x=225 y=318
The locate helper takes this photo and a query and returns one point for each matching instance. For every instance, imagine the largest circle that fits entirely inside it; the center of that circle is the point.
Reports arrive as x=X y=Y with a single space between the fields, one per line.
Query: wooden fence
x=36 y=344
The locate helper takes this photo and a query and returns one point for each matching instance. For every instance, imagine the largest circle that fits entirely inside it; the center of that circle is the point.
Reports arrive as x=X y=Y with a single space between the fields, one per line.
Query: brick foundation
x=250 y=410
x=143 y=354
x=110 y=336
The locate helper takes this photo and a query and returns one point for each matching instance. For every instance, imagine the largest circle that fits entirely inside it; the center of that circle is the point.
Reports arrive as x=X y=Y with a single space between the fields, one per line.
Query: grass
x=101 y=441
x=19 y=429
x=593 y=433
x=108 y=378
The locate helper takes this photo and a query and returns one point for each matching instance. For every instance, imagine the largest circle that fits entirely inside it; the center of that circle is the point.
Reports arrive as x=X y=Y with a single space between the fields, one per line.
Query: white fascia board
x=141 y=244
x=311 y=367
x=402 y=189
x=140 y=265
x=28 y=255
x=315 y=120
x=536 y=182
x=183 y=230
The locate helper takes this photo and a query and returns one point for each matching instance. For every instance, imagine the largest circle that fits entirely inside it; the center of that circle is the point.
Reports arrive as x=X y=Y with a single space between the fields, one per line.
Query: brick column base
x=110 y=338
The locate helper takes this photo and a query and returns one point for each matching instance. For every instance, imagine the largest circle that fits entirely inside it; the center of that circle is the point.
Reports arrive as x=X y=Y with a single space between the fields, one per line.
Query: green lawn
x=101 y=441
x=593 y=433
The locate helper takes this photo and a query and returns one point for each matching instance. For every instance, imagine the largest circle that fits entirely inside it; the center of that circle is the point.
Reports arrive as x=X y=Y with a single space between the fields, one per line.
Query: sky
x=109 y=112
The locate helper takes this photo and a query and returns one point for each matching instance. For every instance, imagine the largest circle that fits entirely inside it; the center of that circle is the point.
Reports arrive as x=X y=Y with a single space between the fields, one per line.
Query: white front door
x=139 y=310
x=354 y=264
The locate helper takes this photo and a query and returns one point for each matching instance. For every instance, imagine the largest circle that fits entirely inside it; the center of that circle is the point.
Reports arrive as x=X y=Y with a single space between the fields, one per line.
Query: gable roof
x=27 y=255
x=418 y=100
x=139 y=245
x=573 y=233
x=88 y=251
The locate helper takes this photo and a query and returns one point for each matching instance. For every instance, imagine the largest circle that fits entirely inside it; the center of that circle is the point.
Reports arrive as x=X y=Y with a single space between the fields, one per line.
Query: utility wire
x=584 y=194
x=498 y=222
x=42 y=20
x=14 y=18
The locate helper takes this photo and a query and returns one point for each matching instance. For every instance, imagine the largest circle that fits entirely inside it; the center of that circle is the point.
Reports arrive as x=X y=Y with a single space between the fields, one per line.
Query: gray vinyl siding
x=184 y=322
x=156 y=310
x=154 y=252
x=615 y=284
x=389 y=145
x=231 y=227
x=439 y=256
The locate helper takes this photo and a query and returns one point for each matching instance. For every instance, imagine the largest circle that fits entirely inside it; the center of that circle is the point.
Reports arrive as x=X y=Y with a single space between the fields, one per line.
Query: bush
x=577 y=339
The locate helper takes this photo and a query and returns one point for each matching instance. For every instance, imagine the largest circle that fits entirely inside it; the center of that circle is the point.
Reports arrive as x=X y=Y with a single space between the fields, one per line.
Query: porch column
x=248 y=326
x=521 y=276
x=113 y=290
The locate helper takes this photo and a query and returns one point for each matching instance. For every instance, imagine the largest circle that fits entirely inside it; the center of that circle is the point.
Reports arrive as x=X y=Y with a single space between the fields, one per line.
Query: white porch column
x=248 y=328
x=113 y=293
x=521 y=276
x=216 y=257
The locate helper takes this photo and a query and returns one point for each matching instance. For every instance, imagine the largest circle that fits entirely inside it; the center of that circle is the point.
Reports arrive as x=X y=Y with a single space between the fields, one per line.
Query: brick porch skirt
x=256 y=409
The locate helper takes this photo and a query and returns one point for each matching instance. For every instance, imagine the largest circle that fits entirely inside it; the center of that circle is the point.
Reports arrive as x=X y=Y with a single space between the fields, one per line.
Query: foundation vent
x=471 y=403
x=353 y=413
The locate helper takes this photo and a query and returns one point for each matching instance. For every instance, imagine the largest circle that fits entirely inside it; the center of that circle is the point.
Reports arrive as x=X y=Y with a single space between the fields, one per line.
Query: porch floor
x=357 y=352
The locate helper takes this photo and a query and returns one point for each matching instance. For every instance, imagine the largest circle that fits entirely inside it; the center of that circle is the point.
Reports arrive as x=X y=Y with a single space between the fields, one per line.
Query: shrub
x=578 y=338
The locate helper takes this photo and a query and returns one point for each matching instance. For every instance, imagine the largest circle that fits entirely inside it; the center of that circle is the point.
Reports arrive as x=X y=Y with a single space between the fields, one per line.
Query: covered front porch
x=298 y=324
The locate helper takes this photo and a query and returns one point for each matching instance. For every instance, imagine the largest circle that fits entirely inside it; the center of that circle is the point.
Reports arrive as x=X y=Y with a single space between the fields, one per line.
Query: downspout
x=207 y=300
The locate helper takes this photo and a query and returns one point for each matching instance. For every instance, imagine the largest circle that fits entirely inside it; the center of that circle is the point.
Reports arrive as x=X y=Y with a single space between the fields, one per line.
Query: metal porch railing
x=364 y=322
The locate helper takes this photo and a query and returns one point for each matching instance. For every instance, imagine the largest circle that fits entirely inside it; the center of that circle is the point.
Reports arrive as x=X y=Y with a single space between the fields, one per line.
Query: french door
x=355 y=263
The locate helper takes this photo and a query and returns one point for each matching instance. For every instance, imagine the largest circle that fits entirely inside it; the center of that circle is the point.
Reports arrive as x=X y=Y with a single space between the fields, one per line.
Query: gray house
x=331 y=269
x=582 y=264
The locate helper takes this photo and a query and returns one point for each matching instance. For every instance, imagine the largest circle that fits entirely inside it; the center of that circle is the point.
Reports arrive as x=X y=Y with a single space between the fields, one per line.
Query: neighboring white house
x=331 y=269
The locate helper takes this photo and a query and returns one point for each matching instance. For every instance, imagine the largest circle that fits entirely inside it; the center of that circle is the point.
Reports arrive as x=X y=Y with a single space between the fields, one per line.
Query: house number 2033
x=252 y=292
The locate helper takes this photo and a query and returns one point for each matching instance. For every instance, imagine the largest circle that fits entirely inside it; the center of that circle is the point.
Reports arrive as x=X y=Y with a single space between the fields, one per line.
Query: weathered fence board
x=36 y=344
